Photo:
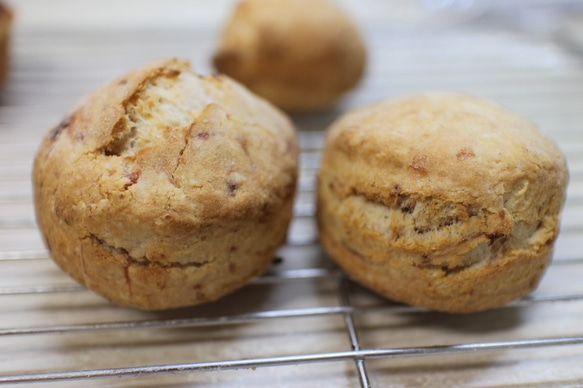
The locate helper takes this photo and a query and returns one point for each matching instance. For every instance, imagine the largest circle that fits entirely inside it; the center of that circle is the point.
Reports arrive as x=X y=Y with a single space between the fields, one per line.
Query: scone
x=302 y=55
x=441 y=200
x=167 y=188
x=5 y=28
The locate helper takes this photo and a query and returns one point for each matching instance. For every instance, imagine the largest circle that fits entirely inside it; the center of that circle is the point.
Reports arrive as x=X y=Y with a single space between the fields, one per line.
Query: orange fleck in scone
x=441 y=200
x=166 y=188
x=302 y=55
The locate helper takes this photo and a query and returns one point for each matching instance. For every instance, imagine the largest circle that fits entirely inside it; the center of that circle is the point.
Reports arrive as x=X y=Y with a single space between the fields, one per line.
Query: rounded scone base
x=301 y=55
x=166 y=188
x=442 y=200
x=470 y=290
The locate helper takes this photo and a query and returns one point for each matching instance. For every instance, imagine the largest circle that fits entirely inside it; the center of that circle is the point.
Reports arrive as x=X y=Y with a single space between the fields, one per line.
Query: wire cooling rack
x=303 y=323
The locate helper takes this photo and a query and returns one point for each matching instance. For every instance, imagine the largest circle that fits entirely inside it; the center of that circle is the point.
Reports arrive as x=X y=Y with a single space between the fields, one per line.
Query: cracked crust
x=166 y=188
x=302 y=55
x=441 y=200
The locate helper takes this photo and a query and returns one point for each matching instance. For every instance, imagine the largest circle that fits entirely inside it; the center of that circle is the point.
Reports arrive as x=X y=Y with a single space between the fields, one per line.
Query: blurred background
x=102 y=39
x=152 y=13
x=527 y=55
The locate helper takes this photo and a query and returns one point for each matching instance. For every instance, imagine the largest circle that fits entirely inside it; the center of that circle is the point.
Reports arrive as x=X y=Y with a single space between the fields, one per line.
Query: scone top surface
x=301 y=55
x=167 y=170
x=442 y=200
x=447 y=144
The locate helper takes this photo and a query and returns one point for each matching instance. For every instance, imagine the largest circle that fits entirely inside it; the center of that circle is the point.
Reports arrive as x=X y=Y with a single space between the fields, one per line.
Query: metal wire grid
x=14 y=170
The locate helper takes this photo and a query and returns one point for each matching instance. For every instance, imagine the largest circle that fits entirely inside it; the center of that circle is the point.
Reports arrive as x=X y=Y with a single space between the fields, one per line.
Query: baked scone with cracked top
x=302 y=55
x=441 y=200
x=167 y=188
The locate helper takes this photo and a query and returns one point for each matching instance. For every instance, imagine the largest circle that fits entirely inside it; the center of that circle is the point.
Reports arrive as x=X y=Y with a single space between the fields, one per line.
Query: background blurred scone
x=167 y=188
x=5 y=28
x=301 y=55
x=441 y=200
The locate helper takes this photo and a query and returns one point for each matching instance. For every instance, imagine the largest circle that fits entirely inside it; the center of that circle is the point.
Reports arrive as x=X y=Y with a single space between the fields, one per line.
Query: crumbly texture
x=302 y=55
x=166 y=188
x=5 y=28
x=441 y=200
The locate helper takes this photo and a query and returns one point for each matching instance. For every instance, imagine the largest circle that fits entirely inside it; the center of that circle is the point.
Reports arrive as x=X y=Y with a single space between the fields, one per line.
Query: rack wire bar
x=258 y=316
x=293 y=360
x=299 y=240
x=178 y=323
x=17 y=222
x=39 y=254
x=344 y=296
x=48 y=289
x=294 y=274
x=269 y=278
x=43 y=254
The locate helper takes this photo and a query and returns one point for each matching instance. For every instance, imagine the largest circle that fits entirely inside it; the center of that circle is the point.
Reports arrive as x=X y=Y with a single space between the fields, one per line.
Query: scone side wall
x=426 y=214
x=466 y=292
x=165 y=188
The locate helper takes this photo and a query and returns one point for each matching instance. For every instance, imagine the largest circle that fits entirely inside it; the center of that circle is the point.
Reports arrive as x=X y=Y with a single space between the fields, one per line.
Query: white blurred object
x=534 y=16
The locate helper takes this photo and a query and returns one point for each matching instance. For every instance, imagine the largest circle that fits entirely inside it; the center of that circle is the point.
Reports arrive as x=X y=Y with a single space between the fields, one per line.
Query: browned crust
x=301 y=55
x=166 y=227
x=441 y=200
x=438 y=287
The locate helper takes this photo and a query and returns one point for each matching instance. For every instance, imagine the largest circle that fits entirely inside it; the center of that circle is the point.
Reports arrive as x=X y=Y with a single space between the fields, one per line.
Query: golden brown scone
x=302 y=55
x=441 y=200
x=5 y=28
x=166 y=188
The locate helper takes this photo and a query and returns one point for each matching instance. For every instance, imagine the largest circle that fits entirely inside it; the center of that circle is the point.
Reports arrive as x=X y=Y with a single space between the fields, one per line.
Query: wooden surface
x=63 y=50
